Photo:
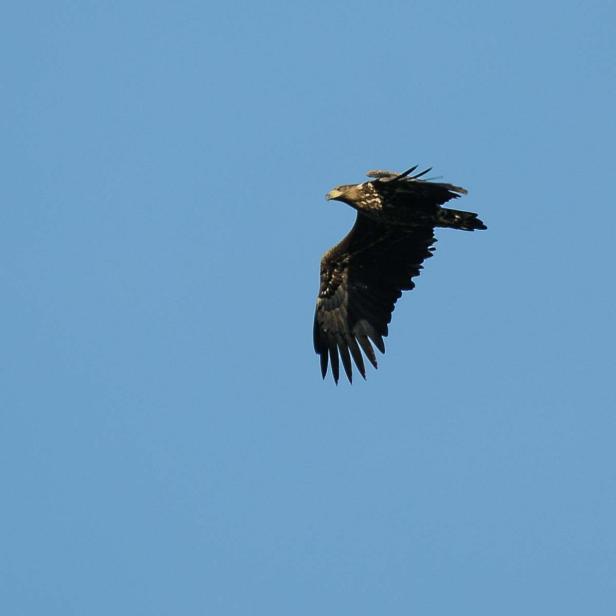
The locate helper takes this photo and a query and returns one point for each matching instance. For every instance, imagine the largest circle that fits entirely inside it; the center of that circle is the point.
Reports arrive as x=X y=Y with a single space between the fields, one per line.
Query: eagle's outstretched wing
x=405 y=189
x=361 y=279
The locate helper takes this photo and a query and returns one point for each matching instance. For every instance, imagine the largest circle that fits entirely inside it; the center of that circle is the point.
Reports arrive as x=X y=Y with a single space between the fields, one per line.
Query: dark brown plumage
x=364 y=275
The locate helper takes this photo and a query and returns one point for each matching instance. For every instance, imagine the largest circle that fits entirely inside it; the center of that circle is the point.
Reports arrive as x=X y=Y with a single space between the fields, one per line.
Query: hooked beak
x=333 y=194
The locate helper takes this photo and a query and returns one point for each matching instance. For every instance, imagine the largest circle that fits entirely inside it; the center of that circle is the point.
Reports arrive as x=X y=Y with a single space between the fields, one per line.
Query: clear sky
x=167 y=444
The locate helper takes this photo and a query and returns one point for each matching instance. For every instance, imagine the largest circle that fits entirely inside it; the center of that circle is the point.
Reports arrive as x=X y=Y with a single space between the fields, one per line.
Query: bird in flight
x=364 y=275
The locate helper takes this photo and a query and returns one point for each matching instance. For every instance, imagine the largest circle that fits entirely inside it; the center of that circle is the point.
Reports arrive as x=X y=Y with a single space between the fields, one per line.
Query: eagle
x=363 y=276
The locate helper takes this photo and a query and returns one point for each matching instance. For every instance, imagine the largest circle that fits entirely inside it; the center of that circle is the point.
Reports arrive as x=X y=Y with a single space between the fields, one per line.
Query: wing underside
x=361 y=279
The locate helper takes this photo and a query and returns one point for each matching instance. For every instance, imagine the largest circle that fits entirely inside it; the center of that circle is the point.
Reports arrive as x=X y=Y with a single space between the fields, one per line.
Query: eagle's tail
x=456 y=219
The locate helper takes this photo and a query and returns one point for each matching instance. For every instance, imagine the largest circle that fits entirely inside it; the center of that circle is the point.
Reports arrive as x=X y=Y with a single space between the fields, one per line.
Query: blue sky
x=167 y=443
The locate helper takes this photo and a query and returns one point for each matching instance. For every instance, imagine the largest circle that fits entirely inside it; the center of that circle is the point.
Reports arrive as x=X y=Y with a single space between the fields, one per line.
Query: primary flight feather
x=364 y=275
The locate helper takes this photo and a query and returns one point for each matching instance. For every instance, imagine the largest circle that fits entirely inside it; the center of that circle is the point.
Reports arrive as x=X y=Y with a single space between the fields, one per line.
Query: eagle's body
x=364 y=275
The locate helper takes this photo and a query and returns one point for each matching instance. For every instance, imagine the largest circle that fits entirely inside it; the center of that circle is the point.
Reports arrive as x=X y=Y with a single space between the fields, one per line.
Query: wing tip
x=332 y=354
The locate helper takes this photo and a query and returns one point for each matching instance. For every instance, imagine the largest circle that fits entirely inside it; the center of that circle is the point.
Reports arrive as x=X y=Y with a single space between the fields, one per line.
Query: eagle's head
x=348 y=193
